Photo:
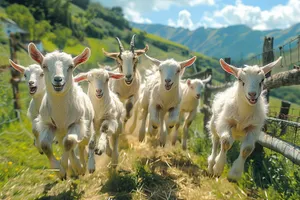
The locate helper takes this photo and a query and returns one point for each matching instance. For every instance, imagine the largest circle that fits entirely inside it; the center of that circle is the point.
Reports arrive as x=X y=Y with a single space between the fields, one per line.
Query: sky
x=191 y=14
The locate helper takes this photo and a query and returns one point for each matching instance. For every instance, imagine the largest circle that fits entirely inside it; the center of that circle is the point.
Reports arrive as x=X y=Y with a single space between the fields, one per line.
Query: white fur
x=109 y=116
x=67 y=114
x=34 y=77
x=192 y=91
x=236 y=117
x=162 y=94
x=127 y=88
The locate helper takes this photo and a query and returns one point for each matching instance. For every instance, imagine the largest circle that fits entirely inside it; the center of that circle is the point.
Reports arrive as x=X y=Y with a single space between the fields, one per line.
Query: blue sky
x=191 y=14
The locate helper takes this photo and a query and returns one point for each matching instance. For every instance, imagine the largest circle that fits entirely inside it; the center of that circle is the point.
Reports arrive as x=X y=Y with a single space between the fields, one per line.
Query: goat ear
x=80 y=77
x=142 y=51
x=35 y=54
x=154 y=60
x=206 y=80
x=188 y=62
x=83 y=57
x=111 y=55
x=17 y=67
x=115 y=75
x=269 y=66
x=188 y=82
x=229 y=68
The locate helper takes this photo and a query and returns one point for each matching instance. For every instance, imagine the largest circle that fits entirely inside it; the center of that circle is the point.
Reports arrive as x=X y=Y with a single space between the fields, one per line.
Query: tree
x=22 y=16
x=41 y=28
x=62 y=35
x=81 y=3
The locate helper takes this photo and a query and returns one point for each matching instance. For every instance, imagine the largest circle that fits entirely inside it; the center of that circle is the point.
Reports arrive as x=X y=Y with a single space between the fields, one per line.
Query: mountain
x=237 y=41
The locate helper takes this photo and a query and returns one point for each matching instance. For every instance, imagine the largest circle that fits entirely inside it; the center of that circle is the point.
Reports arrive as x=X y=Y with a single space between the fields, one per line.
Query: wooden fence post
x=227 y=75
x=268 y=56
x=206 y=101
x=283 y=114
x=15 y=75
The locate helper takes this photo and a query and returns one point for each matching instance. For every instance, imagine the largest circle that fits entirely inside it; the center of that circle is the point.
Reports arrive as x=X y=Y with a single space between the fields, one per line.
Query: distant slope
x=236 y=41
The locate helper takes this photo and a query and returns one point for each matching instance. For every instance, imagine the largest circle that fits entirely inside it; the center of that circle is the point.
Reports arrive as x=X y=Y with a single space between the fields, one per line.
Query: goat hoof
x=41 y=152
x=91 y=171
x=173 y=143
x=171 y=127
x=162 y=144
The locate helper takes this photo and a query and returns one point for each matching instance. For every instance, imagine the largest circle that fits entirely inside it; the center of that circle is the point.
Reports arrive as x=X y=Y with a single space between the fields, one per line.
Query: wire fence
x=290 y=52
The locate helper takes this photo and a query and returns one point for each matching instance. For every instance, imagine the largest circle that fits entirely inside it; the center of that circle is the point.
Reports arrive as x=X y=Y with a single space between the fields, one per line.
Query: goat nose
x=128 y=76
x=198 y=95
x=252 y=94
x=167 y=80
x=98 y=91
x=57 y=78
x=30 y=83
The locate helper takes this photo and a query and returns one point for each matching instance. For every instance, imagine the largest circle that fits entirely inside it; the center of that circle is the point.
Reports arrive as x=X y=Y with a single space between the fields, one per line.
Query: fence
x=283 y=125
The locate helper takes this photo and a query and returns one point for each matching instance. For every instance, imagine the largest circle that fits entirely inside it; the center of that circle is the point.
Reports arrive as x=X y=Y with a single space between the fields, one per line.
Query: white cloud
x=134 y=9
x=280 y=16
x=133 y=15
x=184 y=20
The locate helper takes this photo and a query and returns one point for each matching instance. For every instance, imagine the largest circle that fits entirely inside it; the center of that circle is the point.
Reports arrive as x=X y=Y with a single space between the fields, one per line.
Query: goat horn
x=120 y=45
x=132 y=44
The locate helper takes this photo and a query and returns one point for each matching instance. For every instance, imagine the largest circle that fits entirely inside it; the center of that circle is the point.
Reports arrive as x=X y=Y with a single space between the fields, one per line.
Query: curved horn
x=132 y=44
x=120 y=45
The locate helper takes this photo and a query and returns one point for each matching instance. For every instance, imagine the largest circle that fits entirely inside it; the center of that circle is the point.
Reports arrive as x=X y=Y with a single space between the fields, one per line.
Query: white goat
x=109 y=114
x=128 y=88
x=66 y=112
x=238 y=114
x=192 y=91
x=162 y=94
x=34 y=77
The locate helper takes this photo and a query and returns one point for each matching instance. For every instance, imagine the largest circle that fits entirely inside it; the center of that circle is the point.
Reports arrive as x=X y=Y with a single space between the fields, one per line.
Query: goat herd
x=78 y=121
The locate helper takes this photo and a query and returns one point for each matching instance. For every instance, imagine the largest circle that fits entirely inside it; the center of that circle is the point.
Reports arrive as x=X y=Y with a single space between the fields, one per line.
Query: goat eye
x=25 y=75
x=178 y=71
x=241 y=81
x=71 y=66
x=44 y=66
x=42 y=74
x=107 y=80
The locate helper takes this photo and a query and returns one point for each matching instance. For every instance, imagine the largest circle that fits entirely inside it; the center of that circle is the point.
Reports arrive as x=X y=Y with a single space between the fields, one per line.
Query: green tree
x=41 y=28
x=22 y=16
x=62 y=35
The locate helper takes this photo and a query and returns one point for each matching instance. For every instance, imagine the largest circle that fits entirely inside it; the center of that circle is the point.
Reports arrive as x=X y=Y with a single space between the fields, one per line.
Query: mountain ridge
x=237 y=41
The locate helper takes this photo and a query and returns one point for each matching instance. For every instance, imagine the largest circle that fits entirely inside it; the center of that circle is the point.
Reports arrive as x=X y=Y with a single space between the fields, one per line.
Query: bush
x=62 y=35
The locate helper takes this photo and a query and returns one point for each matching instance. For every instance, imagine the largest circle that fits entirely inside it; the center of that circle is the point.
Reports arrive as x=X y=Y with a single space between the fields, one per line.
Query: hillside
x=237 y=41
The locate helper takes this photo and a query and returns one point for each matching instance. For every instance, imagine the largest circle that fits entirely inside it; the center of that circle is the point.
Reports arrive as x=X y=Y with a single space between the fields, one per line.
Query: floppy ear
x=188 y=62
x=111 y=55
x=154 y=60
x=83 y=57
x=142 y=51
x=115 y=75
x=206 y=80
x=270 y=66
x=35 y=54
x=229 y=68
x=80 y=77
x=17 y=67
x=188 y=82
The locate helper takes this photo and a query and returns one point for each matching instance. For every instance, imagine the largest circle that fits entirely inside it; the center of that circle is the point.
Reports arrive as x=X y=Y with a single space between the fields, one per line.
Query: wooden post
x=206 y=102
x=284 y=111
x=268 y=56
x=227 y=75
x=15 y=75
